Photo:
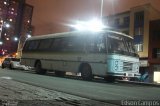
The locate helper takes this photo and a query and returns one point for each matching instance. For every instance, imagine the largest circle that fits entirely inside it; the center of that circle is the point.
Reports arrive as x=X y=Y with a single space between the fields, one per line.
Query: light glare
x=16 y=39
x=28 y=36
x=7 y=38
x=93 y=25
x=5 y=2
x=7 y=25
x=1 y=42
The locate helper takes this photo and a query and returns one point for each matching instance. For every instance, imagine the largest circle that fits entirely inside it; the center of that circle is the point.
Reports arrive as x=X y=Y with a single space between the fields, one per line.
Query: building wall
x=154 y=42
x=144 y=8
x=119 y=22
x=8 y=16
x=14 y=13
x=146 y=19
x=26 y=27
x=149 y=13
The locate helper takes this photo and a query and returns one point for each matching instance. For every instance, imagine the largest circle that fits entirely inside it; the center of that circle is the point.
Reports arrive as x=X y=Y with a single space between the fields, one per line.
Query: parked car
x=13 y=63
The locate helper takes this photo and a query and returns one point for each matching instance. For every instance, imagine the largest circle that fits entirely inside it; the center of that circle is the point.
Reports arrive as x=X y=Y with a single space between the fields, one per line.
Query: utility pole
x=101 y=9
x=1 y=29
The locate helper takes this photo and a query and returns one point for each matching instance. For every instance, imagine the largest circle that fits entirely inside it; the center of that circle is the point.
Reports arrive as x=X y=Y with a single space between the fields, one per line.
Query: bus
x=108 y=54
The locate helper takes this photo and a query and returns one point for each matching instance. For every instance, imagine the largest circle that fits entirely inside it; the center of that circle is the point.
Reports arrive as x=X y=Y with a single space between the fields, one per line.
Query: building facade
x=154 y=45
x=15 y=22
x=142 y=23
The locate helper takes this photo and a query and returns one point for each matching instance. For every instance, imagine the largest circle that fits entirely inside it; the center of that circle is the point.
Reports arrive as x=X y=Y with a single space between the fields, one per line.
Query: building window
x=126 y=20
x=138 y=31
x=156 y=53
x=155 y=36
x=139 y=19
x=139 y=47
x=117 y=21
x=156 y=68
x=138 y=41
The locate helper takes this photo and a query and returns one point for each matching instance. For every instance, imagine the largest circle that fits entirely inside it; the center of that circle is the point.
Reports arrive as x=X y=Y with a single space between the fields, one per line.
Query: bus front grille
x=127 y=66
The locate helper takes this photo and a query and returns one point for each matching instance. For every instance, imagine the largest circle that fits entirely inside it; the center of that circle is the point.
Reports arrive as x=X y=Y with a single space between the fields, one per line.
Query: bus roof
x=75 y=33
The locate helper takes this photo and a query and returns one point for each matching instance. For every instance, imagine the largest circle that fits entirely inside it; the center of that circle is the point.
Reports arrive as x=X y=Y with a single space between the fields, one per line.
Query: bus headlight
x=136 y=67
x=116 y=65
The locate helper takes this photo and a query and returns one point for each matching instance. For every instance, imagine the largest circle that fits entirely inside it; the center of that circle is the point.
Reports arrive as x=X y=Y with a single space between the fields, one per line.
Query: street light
x=101 y=8
x=1 y=29
x=3 y=25
x=28 y=35
x=92 y=25
x=1 y=42
x=15 y=39
x=6 y=25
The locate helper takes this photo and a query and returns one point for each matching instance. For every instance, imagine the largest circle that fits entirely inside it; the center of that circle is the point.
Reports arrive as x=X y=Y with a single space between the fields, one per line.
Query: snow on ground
x=10 y=89
x=13 y=93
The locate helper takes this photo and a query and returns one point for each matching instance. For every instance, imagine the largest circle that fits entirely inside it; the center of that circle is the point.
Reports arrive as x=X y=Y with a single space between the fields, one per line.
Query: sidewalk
x=140 y=83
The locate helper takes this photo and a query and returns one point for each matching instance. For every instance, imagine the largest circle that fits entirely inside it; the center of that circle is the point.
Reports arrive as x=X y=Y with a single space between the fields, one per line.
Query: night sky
x=51 y=16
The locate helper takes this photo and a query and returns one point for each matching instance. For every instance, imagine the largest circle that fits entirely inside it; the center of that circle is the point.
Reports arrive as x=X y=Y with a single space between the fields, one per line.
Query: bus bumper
x=131 y=75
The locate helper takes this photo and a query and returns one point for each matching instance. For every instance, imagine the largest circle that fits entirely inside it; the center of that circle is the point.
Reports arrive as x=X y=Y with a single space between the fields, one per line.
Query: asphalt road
x=91 y=90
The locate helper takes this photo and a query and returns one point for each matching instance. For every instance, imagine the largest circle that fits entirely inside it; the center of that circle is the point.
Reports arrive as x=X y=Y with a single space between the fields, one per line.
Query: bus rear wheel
x=39 y=69
x=86 y=72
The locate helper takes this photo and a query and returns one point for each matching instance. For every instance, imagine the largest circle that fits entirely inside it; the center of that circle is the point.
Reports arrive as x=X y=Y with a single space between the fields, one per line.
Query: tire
x=60 y=73
x=38 y=68
x=11 y=67
x=86 y=72
x=3 y=66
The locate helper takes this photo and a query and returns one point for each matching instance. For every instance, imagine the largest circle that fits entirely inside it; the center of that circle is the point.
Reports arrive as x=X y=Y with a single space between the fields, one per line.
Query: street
x=15 y=93
x=91 y=90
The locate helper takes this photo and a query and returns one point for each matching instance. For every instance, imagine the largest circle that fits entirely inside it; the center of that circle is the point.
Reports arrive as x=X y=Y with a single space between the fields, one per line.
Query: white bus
x=108 y=54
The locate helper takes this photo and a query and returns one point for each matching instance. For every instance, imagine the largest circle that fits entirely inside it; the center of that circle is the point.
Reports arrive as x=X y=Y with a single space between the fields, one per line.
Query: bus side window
x=56 y=45
x=45 y=44
x=33 y=45
x=77 y=44
x=96 y=44
x=100 y=44
x=25 y=48
x=67 y=44
x=72 y=44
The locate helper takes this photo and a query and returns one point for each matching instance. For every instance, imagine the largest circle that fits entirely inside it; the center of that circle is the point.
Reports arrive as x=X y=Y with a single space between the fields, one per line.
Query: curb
x=140 y=83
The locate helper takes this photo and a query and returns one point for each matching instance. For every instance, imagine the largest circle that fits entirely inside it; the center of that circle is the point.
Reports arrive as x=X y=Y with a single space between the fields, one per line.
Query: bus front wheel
x=86 y=72
x=39 y=69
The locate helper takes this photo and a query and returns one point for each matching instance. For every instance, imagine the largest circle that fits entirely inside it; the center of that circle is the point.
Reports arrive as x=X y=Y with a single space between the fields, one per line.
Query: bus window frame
x=93 y=37
x=45 y=49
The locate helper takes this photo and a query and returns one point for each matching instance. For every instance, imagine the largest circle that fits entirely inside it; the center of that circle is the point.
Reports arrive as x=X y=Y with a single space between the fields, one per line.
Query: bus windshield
x=121 y=45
